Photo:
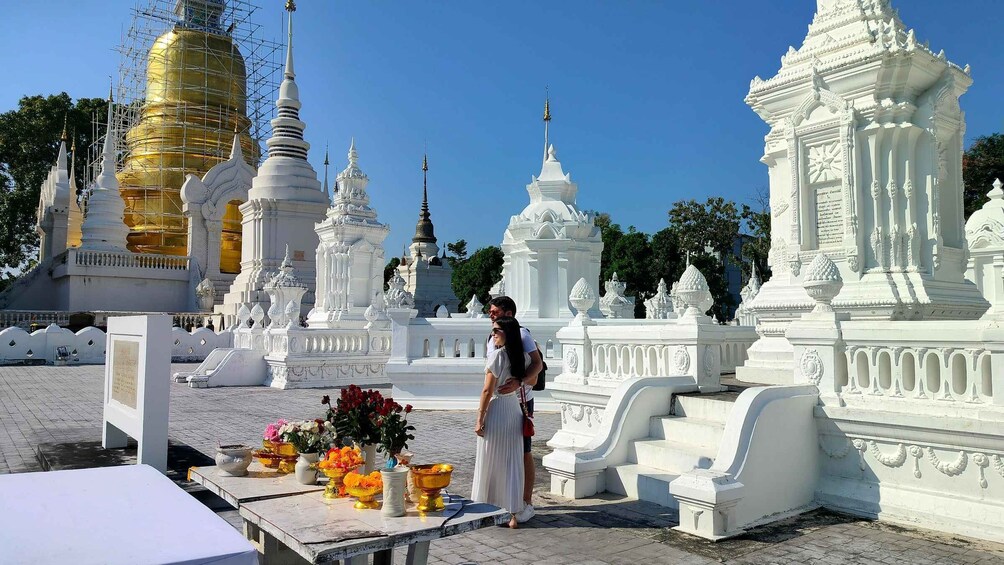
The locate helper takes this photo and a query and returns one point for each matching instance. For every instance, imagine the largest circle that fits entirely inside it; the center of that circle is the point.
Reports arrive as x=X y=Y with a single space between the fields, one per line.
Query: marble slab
x=322 y=530
x=260 y=483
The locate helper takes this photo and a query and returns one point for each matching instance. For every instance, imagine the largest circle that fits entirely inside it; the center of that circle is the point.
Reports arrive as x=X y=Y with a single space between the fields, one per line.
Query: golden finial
x=425 y=162
x=111 y=85
x=290 y=6
x=73 y=147
x=66 y=117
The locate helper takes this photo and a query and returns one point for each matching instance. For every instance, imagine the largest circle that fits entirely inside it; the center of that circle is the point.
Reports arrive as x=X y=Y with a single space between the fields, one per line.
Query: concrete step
x=672 y=456
x=641 y=482
x=694 y=431
x=713 y=407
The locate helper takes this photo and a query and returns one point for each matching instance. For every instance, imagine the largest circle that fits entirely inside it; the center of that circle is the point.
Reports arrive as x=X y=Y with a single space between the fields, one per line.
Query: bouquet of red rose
x=394 y=429
x=355 y=414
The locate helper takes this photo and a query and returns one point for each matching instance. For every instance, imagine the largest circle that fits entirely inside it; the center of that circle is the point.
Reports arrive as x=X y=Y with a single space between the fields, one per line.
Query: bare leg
x=529 y=474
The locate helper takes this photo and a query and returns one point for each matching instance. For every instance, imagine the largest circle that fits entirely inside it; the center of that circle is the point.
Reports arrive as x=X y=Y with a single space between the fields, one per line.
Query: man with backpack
x=505 y=306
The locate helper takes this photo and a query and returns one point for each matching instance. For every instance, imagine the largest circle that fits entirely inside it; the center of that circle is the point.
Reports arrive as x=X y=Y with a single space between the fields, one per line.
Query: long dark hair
x=513 y=345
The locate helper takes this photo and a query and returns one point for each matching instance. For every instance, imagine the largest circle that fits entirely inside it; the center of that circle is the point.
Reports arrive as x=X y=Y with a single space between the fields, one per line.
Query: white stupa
x=284 y=203
x=104 y=228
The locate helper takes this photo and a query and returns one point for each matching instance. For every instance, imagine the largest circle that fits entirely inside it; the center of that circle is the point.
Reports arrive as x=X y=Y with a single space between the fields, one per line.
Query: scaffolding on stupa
x=210 y=127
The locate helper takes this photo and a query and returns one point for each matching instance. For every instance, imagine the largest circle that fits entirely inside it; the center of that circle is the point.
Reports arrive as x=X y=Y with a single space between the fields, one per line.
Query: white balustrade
x=621 y=352
x=92 y=258
x=928 y=362
x=466 y=338
x=903 y=363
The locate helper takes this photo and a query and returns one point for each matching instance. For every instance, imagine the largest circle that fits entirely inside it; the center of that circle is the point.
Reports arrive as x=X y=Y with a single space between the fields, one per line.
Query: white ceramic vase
x=304 y=473
x=370 y=457
x=395 y=484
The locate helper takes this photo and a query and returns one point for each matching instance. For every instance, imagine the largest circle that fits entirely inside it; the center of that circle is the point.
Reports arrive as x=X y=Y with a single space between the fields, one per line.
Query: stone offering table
x=291 y=524
x=260 y=483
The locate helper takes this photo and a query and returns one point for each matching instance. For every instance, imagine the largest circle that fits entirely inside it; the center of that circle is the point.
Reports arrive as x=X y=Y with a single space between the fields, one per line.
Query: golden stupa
x=196 y=98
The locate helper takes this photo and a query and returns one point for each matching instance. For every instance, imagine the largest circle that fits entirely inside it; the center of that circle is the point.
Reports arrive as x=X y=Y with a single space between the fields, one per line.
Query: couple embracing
x=504 y=467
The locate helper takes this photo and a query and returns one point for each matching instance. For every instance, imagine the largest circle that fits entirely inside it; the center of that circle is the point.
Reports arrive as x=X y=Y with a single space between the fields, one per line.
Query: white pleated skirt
x=498 y=468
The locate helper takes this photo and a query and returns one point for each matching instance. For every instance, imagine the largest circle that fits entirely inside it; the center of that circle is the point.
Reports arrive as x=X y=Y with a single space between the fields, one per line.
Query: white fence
x=87 y=346
x=921 y=361
x=90 y=258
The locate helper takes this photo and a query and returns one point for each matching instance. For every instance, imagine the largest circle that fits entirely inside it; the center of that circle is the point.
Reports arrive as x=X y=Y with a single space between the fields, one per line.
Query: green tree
x=477 y=274
x=459 y=251
x=756 y=240
x=668 y=260
x=631 y=261
x=388 y=271
x=29 y=143
x=610 y=233
x=982 y=163
x=708 y=232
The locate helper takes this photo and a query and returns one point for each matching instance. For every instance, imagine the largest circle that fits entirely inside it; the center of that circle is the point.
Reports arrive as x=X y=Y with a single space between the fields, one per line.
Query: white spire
x=61 y=158
x=288 y=73
x=73 y=169
x=236 y=152
x=287 y=129
x=104 y=227
x=286 y=174
x=327 y=192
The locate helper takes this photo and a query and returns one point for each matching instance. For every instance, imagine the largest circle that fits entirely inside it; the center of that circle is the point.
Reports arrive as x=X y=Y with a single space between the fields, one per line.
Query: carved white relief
x=572 y=360
x=896 y=459
x=811 y=366
x=588 y=415
x=681 y=359
x=709 y=361
x=825 y=163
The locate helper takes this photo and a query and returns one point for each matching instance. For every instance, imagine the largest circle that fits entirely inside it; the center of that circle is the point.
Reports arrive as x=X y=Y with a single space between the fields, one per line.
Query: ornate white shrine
x=550 y=245
x=985 y=233
x=614 y=304
x=52 y=216
x=865 y=163
x=350 y=255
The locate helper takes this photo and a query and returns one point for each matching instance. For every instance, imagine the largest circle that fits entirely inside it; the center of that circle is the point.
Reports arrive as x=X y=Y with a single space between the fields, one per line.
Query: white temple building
x=428 y=276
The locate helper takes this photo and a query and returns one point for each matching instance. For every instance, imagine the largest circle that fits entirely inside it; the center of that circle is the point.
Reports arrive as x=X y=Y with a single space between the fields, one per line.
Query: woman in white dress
x=498 y=468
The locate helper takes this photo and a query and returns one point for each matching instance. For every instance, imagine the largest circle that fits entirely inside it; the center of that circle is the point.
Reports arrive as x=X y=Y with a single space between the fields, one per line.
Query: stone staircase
x=677 y=443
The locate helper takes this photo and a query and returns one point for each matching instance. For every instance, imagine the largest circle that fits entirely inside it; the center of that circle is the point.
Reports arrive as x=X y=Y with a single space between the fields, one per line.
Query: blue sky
x=647 y=97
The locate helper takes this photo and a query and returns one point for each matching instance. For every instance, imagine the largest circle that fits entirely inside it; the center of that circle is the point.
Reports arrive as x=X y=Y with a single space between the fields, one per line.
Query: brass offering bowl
x=335 y=476
x=431 y=479
x=278 y=455
x=366 y=497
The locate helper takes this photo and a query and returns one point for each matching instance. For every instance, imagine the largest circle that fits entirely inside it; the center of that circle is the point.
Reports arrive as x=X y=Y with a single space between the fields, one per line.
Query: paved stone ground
x=63 y=405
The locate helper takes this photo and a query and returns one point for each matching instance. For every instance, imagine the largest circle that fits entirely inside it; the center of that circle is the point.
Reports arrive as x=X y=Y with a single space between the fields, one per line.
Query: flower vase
x=305 y=474
x=395 y=484
x=369 y=455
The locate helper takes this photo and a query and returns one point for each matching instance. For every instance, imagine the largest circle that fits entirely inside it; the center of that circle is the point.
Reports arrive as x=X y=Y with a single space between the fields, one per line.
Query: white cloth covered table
x=112 y=515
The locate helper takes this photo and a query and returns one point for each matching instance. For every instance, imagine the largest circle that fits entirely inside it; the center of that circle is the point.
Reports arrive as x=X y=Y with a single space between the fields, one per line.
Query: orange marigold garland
x=371 y=481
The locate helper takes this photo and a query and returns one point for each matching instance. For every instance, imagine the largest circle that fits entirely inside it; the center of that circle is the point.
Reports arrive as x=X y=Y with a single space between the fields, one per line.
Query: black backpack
x=539 y=385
